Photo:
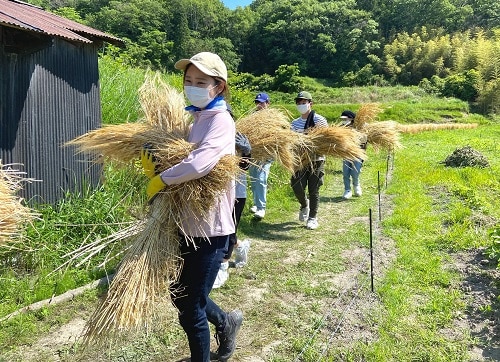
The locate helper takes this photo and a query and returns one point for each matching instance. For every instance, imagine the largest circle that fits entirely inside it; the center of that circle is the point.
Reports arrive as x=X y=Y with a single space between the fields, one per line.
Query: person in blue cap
x=259 y=172
x=351 y=169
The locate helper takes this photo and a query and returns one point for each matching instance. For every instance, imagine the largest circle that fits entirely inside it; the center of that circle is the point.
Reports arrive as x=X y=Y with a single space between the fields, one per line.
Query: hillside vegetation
x=451 y=48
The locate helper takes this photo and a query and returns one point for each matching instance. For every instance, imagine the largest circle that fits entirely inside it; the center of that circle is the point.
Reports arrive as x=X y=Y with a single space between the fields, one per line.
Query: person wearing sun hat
x=351 y=169
x=311 y=176
x=259 y=172
x=204 y=237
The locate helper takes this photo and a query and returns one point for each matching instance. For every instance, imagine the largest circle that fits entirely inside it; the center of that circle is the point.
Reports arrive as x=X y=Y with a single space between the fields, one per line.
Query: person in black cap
x=351 y=169
x=310 y=176
x=259 y=172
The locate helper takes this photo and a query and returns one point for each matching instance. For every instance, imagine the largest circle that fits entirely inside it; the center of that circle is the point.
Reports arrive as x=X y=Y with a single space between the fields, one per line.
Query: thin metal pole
x=371 y=251
x=379 y=197
x=387 y=168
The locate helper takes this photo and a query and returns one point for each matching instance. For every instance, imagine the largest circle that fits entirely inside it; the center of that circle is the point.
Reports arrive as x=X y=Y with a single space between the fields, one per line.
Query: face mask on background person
x=303 y=108
x=199 y=97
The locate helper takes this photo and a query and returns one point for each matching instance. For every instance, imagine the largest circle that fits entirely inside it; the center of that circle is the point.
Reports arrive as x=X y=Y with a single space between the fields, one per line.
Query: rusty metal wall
x=46 y=99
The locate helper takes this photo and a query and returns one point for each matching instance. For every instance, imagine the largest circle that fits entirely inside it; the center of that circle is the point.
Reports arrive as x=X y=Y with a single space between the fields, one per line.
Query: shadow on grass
x=261 y=229
x=334 y=199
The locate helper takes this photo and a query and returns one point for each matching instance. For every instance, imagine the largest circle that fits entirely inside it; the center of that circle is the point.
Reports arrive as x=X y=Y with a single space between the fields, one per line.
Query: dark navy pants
x=190 y=292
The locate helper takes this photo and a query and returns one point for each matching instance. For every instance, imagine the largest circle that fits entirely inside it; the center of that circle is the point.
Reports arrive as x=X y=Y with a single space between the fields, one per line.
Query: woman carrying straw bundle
x=311 y=175
x=351 y=169
x=259 y=171
x=204 y=240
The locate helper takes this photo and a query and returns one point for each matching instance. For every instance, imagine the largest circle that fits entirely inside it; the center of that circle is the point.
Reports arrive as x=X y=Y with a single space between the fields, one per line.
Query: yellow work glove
x=155 y=185
x=148 y=163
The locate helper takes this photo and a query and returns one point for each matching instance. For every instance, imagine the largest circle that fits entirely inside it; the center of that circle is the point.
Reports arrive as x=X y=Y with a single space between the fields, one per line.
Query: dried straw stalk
x=151 y=261
x=14 y=216
x=421 y=127
x=141 y=282
x=164 y=117
x=271 y=137
x=383 y=135
x=340 y=142
x=86 y=251
x=367 y=113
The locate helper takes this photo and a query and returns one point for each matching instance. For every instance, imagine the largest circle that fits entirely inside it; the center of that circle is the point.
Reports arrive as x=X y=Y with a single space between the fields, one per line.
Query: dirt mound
x=466 y=156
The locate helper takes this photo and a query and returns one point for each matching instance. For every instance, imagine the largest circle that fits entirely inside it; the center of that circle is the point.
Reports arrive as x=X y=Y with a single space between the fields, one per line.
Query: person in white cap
x=204 y=239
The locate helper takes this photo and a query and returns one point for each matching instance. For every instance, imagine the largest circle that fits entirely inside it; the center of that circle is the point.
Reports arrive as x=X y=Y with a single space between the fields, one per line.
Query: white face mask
x=199 y=97
x=303 y=108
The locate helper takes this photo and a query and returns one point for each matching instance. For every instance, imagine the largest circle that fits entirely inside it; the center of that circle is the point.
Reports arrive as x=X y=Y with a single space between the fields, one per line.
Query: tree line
x=451 y=47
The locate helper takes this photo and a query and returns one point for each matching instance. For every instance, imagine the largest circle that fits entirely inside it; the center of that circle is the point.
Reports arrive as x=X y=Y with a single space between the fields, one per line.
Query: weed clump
x=466 y=156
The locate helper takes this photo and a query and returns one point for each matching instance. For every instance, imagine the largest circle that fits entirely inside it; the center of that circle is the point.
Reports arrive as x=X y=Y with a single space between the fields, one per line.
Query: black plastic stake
x=371 y=250
x=387 y=168
x=379 y=197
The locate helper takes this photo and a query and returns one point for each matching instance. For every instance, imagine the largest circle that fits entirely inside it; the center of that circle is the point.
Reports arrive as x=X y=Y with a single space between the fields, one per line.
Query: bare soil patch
x=481 y=287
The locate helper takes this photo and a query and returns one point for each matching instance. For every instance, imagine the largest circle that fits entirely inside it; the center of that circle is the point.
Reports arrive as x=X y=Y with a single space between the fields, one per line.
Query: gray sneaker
x=227 y=338
x=304 y=212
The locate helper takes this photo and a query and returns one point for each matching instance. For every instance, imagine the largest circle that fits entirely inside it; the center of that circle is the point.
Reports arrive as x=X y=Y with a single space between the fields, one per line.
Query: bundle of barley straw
x=383 y=135
x=335 y=141
x=14 y=215
x=164 y=116
x=151 y=261
x=269 y=133
x=422 y=127
x=366 y=114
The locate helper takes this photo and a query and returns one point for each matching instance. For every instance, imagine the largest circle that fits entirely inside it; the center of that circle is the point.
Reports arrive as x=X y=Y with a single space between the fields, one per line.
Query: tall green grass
x=27 y=271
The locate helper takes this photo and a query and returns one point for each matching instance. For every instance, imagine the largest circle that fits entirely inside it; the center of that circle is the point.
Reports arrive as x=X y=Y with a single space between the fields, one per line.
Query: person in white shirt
x=311 y=176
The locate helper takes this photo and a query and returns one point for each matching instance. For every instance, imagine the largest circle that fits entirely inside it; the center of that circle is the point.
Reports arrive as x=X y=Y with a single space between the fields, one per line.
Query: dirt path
x=346 y=316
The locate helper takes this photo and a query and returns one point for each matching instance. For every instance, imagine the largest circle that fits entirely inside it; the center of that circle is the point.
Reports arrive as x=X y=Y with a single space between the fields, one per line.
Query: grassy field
x=306 y=295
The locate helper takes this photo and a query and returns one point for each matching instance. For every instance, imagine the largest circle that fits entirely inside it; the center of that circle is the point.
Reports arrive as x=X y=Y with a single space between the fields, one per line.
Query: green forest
x=448 y=47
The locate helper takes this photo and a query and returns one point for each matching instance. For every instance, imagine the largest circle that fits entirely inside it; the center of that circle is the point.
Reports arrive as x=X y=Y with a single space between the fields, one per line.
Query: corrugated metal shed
x=18 y=14
x=49 y=94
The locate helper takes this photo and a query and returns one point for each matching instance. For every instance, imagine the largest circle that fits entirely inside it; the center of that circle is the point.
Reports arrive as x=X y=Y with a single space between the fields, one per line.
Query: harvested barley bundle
x=421 y=127
x=199 y=195
x=383 y=135
x=150 y=263
x=122 y=142
x=271 y=137
x=165 y=120
x=151 y=260
x=341 y=142
x=14 y=216
x=164 y=116
x=366 y=114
